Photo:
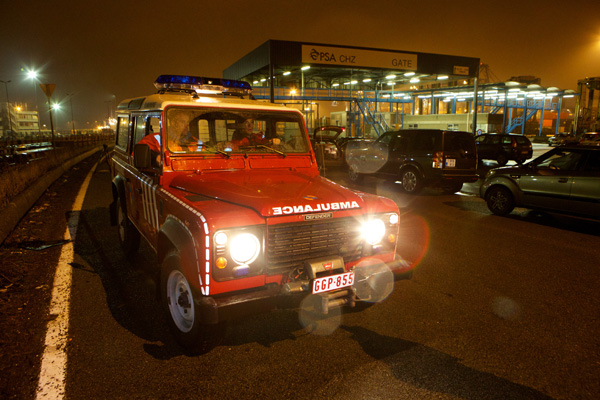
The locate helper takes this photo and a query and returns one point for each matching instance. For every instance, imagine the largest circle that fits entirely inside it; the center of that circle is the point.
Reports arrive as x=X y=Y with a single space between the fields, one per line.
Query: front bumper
x=372 y=283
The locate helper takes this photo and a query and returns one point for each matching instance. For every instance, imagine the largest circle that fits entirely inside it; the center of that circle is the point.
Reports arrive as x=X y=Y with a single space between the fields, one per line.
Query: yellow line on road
x=52 y=380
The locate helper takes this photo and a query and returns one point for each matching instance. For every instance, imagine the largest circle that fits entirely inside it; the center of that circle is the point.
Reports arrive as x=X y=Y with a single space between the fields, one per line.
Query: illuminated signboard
x=459 y=70
x=348 y=57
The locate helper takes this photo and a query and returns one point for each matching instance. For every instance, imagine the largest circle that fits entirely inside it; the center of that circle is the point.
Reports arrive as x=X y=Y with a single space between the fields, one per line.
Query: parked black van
x=417 y=158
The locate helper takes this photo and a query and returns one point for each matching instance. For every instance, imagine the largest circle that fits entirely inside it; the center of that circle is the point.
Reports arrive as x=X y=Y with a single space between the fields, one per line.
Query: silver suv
x=565 y=179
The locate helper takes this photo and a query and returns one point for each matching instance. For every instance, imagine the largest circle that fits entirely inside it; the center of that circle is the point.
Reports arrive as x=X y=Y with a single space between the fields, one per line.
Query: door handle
x=563 y=180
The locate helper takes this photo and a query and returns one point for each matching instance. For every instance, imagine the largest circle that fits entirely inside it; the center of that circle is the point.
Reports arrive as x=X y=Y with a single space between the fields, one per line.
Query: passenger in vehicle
x=244 y=135
x=152 y=140
x=178 y=131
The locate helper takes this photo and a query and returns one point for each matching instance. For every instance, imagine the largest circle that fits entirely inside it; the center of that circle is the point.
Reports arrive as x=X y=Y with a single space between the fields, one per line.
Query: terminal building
x=369 y=91
x=16 y=121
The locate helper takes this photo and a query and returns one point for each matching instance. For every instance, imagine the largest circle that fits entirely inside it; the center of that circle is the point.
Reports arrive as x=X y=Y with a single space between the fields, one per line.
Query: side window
x=506 y=139
x=593 y=162
x=140 y=128
x=423 y=141
x=122 y=132
x=222 y=134
x=562 y=161
x=203 y=131
x=386 y=139
x=400 y=144
x=521 y=140
x=154 y=125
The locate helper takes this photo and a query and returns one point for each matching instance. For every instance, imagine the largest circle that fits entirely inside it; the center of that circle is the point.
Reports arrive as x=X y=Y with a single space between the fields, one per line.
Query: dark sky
x=111 y=50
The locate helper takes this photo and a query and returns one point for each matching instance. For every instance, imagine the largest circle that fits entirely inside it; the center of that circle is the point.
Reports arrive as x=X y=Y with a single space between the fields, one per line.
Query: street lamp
x=72 y=117
x=33 y=75
x=7 y=105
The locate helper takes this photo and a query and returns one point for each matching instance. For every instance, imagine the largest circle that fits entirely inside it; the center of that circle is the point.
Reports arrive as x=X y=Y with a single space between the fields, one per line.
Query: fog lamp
x=221 y=262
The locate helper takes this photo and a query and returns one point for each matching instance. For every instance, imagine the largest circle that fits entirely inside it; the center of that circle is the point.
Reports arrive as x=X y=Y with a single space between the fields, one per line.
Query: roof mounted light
x=201 y=85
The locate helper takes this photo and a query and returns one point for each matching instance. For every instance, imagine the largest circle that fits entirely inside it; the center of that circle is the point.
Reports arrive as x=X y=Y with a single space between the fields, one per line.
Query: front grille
x=288 y=245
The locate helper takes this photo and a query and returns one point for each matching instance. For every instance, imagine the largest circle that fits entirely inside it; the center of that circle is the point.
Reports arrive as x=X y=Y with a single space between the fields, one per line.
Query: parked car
x=503 y=147
x=332 y=139
x=565 y=179
x=562 y=139
x=417 y=158
x=590 y=138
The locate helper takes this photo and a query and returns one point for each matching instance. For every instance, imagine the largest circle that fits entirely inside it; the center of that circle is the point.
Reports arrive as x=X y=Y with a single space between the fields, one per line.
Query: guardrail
x=15 y=152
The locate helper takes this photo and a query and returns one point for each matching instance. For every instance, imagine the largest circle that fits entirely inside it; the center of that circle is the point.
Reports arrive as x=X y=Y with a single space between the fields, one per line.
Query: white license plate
x=333 y=282
x=450 y=162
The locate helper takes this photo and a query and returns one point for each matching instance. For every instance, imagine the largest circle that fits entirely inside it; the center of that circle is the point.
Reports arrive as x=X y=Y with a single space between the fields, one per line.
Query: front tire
x=129 y=236
x=412 y=182
x=502 y=159
x=182 y=312
x=500 y=200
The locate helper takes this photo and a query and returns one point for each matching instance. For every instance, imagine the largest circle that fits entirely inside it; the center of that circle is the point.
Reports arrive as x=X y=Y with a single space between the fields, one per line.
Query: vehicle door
x=486 y=146
x=509 y=146
x=397 y=154
x=548 y=183
x=460 y=154
x=423 y=145
x=523 y=147
x=123 y=149
x=145 y=183
x=372 y=158
x=585 y=191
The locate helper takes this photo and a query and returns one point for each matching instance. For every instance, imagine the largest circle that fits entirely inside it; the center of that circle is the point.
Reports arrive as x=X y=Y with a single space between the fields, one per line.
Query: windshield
x=192 y=130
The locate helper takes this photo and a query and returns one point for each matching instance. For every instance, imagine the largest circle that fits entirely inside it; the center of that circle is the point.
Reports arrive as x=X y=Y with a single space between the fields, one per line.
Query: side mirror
x=142 y=156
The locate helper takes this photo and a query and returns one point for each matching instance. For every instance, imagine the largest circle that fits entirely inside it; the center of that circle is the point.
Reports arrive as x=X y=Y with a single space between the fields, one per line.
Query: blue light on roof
x=199 y=83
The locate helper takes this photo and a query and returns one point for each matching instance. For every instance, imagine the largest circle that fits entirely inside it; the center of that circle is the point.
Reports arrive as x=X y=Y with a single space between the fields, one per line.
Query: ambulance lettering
x=306 y=208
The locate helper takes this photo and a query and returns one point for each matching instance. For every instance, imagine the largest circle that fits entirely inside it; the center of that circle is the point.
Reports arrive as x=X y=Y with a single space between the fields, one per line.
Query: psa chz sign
x=345 y=56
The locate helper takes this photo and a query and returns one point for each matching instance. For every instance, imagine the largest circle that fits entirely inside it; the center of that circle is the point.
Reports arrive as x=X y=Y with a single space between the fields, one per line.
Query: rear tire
x=452 y=188
x=500 y=200
x=412 y=183
x=182 y=312
x=129 y=236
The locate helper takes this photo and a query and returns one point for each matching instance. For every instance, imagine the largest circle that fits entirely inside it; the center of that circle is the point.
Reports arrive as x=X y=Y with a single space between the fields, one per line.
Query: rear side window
x=522 y=140
x=423 y=141
x=140 y=128
x=593 y=162
x=459 y=141
x=122 y=132
x=493 y=139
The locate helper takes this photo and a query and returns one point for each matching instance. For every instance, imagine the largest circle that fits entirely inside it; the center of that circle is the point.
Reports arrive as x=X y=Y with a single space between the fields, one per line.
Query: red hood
x=272 y=192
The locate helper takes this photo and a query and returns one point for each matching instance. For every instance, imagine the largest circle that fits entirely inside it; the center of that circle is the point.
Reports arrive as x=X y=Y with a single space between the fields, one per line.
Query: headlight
x=245 y=247
x=238 y=252
x=373 y=231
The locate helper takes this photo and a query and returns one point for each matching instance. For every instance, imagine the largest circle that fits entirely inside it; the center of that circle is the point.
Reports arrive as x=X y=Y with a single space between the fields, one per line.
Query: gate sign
x=351 y=57
x=48 y=88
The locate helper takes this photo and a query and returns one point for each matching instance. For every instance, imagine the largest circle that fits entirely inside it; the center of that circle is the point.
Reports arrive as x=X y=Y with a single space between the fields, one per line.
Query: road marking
x=51 y=383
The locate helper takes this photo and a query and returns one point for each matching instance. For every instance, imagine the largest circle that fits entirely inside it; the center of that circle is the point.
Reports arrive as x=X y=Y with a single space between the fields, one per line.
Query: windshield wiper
x=272 y=149
x=226 y=154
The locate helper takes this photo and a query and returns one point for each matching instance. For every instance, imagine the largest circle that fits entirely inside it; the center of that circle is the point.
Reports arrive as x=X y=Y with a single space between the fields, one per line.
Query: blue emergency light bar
x=201 y=84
